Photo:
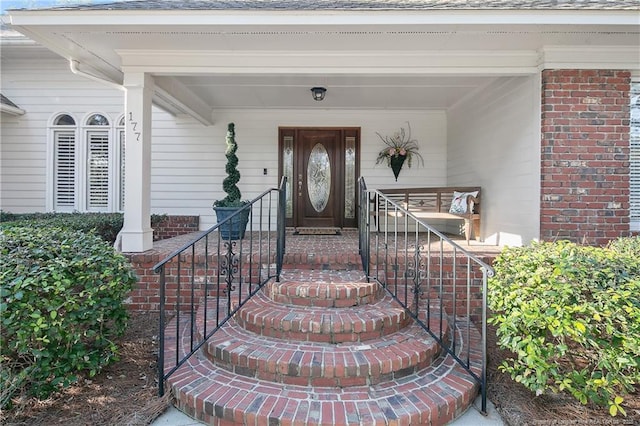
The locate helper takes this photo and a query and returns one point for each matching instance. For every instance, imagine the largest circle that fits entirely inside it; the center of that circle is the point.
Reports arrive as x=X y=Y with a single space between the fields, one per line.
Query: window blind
x=121 y=207
x=64 y=179
x=98 y=170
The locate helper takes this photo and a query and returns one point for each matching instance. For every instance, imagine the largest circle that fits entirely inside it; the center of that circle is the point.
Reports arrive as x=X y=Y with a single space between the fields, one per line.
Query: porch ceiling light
x=318 y=93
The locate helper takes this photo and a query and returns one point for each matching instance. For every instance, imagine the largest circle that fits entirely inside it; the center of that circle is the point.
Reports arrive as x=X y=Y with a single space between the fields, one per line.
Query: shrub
x=629 y=248
x=230 y=183
x=61 y=307
x=106 y=225
x=571 y=316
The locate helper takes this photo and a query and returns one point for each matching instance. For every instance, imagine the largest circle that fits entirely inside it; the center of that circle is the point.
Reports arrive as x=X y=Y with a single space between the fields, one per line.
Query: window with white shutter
x=64 y=174
x=85 y=167
x=64 y=166
x=634 y=157
x=97 y=170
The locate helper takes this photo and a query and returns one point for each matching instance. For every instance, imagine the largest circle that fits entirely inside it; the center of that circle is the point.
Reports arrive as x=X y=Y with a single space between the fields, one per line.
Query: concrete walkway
x=472 y=417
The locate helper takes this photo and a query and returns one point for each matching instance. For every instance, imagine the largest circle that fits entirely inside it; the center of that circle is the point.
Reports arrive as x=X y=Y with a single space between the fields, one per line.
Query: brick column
x=585 y=155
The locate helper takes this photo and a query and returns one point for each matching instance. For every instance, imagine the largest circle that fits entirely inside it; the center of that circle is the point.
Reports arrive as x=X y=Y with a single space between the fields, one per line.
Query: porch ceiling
x=344 y=91
x=384 y=60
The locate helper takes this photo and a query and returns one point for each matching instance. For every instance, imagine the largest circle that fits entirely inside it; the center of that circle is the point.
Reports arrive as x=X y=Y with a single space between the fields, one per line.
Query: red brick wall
x=443 y=283
x=585 y=155
x=146 y=293
x=174 y=226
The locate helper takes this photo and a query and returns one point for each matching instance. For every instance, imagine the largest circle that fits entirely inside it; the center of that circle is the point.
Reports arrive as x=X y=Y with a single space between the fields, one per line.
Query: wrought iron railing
x=205 y=282
x=442 y=286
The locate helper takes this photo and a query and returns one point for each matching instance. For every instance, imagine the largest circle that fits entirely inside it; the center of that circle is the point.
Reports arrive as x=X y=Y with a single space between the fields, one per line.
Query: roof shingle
x=381 y=5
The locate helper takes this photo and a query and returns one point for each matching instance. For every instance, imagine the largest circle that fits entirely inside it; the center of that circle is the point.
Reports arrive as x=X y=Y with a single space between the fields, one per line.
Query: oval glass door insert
x=319 y=177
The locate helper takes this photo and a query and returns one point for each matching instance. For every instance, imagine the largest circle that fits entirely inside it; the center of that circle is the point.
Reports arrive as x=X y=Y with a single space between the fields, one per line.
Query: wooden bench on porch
x=440 y=203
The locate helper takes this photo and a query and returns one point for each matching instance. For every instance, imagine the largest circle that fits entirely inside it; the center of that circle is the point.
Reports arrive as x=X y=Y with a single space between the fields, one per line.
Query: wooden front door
x=321 y=167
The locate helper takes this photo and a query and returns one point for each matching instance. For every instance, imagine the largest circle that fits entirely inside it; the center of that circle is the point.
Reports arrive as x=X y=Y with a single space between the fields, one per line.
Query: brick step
x=329 y=260
x=319 y=364
x=318 y=275
x=433 y=396
x=263 y=316
x=327 y=294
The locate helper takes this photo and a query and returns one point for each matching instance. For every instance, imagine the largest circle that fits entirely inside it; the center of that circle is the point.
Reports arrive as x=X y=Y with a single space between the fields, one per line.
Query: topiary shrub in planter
x=233 y=229
x=571 y=316
x=61 y=307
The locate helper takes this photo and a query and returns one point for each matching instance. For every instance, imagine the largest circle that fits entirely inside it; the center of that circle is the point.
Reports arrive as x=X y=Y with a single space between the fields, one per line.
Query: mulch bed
x=125 y=393
x=518 y=406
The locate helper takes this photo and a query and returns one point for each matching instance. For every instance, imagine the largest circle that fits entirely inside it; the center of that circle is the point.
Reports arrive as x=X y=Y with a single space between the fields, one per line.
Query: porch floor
x=326 y=247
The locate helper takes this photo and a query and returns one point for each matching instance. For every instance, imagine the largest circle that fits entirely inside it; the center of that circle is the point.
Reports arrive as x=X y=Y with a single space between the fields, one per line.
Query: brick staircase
x=323 y=347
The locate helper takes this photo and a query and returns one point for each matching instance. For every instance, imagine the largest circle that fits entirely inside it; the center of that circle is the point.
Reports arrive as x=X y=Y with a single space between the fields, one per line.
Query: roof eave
x=141 y=18
x=8 y=109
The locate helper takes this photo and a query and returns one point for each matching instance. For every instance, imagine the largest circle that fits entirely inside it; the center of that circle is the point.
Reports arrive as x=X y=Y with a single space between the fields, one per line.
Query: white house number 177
x=135 y=126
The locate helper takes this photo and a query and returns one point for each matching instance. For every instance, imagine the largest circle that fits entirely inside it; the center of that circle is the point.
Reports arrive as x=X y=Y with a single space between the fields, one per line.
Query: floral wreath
x=399 y=146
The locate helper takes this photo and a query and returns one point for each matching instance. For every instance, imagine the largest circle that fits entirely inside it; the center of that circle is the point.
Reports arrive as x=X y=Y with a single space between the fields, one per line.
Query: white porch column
x=137 y=235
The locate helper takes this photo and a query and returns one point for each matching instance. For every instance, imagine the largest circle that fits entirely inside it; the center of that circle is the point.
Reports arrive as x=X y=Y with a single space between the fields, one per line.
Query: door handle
x=299 y=185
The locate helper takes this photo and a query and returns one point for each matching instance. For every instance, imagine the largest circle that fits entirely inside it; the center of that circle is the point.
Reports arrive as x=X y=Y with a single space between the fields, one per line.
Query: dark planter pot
x=235 y=228
x=396 y=164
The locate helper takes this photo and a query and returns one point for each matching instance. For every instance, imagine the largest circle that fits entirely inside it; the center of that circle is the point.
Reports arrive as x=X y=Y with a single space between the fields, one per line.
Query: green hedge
x=106 y=225
x=571 y=316
x=61 y=307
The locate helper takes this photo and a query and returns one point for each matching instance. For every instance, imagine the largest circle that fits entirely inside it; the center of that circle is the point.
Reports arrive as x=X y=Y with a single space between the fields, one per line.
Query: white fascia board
x=141 y=18
x=330 y=62
x=591 y=57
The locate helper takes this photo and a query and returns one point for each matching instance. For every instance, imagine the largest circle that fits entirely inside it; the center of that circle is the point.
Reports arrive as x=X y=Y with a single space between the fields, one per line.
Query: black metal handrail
x=218 y=276
x=435 y=280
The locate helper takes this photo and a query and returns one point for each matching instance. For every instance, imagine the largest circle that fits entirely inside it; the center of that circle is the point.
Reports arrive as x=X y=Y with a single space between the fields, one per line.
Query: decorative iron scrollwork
x=229 y=265
x=418 y=274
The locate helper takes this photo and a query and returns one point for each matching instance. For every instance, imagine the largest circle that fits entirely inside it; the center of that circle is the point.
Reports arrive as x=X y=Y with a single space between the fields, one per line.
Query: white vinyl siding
x=188 y=159
x=493 y=141
x=42 y=84
x=64 y=177
x=634 y=158
x=97 y=170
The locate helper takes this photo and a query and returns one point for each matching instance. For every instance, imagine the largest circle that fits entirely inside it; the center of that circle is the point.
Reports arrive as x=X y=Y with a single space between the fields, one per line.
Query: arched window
x=64 y=120
x=98 y=156
x=97 y=120
x=64 y=163
x=86 y=163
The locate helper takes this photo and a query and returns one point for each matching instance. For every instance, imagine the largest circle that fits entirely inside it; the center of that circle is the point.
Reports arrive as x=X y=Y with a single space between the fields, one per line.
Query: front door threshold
x=310 y=230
